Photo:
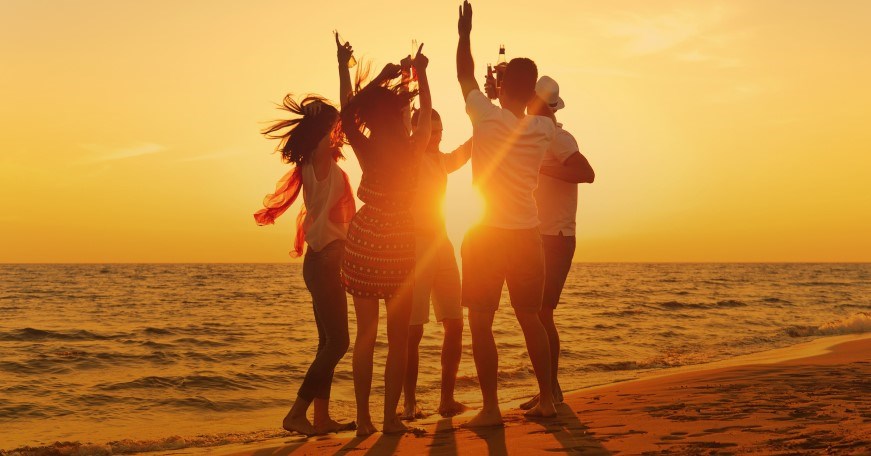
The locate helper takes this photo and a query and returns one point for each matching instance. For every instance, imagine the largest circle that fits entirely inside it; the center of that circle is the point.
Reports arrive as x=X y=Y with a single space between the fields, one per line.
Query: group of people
x=395 y=247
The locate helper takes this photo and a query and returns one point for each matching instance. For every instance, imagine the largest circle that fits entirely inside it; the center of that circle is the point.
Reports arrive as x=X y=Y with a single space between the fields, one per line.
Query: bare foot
x=530 y=403
x=411 y=412
x=365 y=427
x=540 y=411
x=485 y=418
x=298 y=424
x=451 y=408
x=395 y=426
x=330 y=426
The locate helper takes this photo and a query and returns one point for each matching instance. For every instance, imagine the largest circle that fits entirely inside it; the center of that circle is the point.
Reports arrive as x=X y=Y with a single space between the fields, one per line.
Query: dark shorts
x=558 y=253
x=495 y=256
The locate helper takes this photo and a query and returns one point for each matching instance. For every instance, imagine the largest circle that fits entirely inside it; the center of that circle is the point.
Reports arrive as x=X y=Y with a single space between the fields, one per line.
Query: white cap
x=548 y=90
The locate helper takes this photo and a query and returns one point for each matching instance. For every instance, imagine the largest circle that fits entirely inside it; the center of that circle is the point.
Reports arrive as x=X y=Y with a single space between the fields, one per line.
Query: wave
x=677 y=305
x=33 y=334
x=855 y=324
x=130 y=446
x=519 y=372
x=207 y=382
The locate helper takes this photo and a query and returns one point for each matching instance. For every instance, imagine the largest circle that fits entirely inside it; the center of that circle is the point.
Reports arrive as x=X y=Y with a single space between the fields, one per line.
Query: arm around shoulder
x=575 y=169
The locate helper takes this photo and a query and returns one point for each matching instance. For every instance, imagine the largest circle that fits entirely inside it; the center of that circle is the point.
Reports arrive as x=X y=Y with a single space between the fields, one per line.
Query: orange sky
x=719 y=131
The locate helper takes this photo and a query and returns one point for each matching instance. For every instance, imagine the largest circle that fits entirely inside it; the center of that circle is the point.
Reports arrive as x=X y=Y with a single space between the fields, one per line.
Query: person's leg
x=483 y=277
x=452 y=351
x=410 y=409
x=366 y=310
x=332 y=313
x=446 y=294
x=525 y=278
x=546 y=318
x=539 y=353
x=558 y=254
x=296 y=419
x=398 y=315
x=422 y=289
x=487 y=365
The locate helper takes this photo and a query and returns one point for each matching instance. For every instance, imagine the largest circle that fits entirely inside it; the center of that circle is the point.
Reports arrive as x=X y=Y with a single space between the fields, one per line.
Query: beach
x=123 y=359
x=812 y=398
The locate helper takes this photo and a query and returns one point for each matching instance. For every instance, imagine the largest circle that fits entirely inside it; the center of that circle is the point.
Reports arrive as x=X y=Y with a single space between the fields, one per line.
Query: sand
x=813 y=398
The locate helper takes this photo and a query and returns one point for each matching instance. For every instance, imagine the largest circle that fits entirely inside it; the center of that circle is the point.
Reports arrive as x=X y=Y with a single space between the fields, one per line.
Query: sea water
x=160 y=356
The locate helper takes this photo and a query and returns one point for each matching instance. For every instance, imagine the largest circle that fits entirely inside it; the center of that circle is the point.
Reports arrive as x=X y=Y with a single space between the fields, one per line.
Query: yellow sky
x=719 y=131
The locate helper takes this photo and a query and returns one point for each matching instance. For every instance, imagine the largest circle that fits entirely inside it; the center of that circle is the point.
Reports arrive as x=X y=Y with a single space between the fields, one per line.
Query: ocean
x=138 y=357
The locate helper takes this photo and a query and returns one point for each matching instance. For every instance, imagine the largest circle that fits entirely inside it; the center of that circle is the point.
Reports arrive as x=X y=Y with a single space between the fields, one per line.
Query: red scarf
x=287 y=190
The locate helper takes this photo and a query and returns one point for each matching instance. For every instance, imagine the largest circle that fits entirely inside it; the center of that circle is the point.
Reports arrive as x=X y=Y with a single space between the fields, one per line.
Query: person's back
x=508 y=148
x=506 y=156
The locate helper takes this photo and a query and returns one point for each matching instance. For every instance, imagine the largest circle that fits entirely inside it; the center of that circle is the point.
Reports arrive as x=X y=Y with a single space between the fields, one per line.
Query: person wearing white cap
x=563 y=168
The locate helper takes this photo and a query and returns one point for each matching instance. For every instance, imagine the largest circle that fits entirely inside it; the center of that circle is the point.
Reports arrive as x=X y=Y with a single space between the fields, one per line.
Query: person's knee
x=527 y=318
x=340 y=344
x=366 y=334
x=480 y=321
x=453 y=327
x=415 y=334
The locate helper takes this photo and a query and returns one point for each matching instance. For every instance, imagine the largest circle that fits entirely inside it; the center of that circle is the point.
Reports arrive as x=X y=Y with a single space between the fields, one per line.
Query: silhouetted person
x=380 y=252
x=564 y=167
x=312 y=142
x=436 y=275
x=508 y=148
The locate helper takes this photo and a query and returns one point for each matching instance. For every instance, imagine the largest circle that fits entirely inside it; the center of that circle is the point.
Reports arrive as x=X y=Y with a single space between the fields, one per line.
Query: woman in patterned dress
x=379 y=253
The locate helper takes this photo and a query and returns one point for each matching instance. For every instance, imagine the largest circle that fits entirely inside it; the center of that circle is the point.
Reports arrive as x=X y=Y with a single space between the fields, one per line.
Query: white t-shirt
x=506 y=156
x=557 y=199
x=320 y=198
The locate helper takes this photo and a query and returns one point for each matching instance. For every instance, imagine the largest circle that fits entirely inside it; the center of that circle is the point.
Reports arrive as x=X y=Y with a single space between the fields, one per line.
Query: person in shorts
x=507 y=151
x=436 y=275
x=563 y=168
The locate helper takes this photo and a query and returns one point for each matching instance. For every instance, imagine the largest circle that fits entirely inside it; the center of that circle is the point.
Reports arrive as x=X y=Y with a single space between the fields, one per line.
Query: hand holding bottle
x=420 y=61
x=344 y=52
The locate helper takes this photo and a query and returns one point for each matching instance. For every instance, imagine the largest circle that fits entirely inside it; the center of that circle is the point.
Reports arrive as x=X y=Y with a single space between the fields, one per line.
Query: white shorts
x=436 y=275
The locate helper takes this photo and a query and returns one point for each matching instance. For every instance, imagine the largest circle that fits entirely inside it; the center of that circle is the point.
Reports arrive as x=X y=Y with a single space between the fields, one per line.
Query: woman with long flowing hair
x=311 y=140
x=380 y=251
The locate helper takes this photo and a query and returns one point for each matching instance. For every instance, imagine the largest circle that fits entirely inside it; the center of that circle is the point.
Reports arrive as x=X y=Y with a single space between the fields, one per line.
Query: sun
x=463 y=207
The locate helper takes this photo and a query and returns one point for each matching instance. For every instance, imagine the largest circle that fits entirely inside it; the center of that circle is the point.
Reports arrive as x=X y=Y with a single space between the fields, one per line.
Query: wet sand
x=813 y=398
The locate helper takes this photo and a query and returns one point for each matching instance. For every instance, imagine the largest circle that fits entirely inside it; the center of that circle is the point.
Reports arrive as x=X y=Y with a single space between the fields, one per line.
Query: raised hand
x=390 y=71
x=464 y=24
x=343 y=51
x=421 y=61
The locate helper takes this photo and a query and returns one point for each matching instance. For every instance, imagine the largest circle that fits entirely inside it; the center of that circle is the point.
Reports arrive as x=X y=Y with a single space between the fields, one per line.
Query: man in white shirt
x=508 y=148
x=563 y=168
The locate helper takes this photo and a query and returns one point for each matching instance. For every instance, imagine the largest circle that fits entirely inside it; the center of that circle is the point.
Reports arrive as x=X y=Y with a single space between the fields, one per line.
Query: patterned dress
x=379 y=252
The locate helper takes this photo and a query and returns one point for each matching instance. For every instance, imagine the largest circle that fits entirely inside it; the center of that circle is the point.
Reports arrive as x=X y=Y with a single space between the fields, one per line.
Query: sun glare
x=463 y=208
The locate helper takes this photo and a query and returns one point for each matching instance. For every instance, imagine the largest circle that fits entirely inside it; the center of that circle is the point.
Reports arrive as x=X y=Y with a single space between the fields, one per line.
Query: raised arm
x=465 y=62
x=455 y=159
x=349 y=111
x=343 y=55
x=405 y=65
x=423 y=130
x=576 y=169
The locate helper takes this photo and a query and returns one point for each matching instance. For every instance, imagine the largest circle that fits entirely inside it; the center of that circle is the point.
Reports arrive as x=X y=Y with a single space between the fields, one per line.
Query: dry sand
x=813 y=398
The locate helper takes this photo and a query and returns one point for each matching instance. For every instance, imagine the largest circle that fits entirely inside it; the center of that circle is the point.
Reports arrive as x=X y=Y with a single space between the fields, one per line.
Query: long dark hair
x=376 y=109
x=299 y=136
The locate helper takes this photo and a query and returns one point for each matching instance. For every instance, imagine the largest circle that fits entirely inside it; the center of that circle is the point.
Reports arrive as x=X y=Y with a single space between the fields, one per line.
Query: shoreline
x=658 y=405
x=578 y=427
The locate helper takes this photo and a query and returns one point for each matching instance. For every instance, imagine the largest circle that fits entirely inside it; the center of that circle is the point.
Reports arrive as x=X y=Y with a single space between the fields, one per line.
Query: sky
x=719 y=131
